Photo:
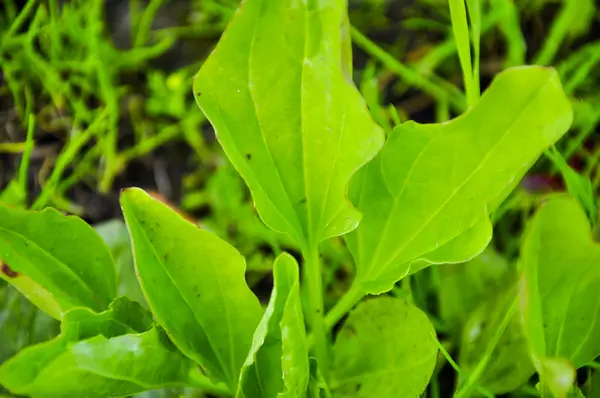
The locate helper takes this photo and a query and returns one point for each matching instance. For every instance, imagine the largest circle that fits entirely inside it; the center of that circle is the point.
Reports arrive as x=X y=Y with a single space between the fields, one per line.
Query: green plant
x=278 y=90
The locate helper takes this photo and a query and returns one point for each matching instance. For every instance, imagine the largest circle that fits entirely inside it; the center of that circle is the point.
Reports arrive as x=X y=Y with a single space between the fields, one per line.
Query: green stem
x=433 y=85
x=314 y=284
x=460 y=27
x=344 y=305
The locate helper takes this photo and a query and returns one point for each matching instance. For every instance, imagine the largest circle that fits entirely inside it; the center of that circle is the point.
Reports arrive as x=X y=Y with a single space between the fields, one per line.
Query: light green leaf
x=464 y=286
x=508 y=365
x=386 y=348
x=56 y=261
x=194 y=284
x=278 y=91
x=561 y=279
x=557 y=377
x=432 y=184
x=94 y=356
x=277 y=365
x=114 y=233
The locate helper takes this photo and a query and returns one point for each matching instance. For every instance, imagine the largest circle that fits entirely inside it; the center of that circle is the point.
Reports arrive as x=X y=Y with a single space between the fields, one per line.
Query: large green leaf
x=559 y=296
x=428 y=193
x=194 y=283
x=278 y=91
x=114 y=353
x=386 y=348
x=277 y=365
x=57 y=261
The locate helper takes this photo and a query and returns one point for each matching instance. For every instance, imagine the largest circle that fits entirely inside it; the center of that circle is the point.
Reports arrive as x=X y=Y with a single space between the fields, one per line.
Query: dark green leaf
x=58 y=262
x=559 y=298
x=428 y=193
x=278 y=91
x=194 y=283
x=463 y=286
x=509 y=365
x=277 y=365
x=386 y=348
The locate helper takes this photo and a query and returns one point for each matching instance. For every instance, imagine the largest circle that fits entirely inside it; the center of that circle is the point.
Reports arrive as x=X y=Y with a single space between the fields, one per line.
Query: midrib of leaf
x=298 y=227
x=564 y=317
x=523 y=111
x=396 y=198
x=216 y=352
x=62 y=265
x=301 y=94
x=330 y=178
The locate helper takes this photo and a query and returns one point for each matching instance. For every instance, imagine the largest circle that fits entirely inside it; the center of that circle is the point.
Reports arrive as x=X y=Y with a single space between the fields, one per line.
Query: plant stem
x=344 y=305
x=314 y=284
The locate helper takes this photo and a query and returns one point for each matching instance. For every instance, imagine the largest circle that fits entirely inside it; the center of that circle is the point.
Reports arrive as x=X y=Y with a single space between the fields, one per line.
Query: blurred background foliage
x=96 y=96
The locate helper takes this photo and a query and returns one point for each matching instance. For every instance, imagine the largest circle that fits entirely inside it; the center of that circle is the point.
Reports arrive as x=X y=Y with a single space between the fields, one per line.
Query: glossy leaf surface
x=386 y=348
x=113 y=353
x=194 y=284
x=278 y=91
x=56 y=261
x=559 y=296
x=277 y=365
x=428 y=193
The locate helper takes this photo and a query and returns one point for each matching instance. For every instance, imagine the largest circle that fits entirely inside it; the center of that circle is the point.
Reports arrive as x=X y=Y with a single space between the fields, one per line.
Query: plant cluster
x=324 y=168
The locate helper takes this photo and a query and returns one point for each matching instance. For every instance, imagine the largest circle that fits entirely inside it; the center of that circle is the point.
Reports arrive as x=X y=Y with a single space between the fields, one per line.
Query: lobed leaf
x=277 y=365
x=426 y=197
x=56 y=261
x=561 y=278
x=386 y=348
x=278 y=91
x=194 y=284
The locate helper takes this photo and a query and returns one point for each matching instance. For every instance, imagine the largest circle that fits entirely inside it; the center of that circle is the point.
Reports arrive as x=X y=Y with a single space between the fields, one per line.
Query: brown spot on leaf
x=6 y=270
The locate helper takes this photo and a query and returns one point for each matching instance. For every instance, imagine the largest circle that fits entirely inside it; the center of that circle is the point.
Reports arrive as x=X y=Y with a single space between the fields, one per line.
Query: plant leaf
x=277 y=365
x=431 y=184
x=464 y=286
x=94 y=356
x=561 y=279
x=509 y=366
x=57 y=261
x=278 y=92
x=194 y=284
x=386 y=348
x=114 y=233
x=317 y=386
